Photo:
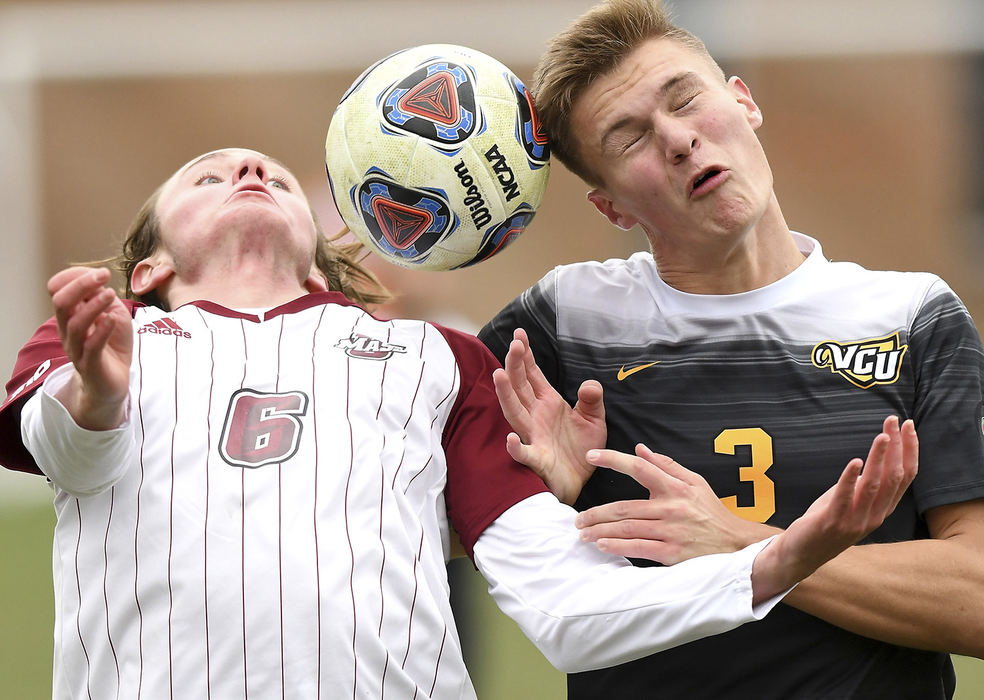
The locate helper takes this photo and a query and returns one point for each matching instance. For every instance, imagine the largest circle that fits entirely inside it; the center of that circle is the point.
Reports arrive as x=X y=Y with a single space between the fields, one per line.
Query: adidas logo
x=164 y=326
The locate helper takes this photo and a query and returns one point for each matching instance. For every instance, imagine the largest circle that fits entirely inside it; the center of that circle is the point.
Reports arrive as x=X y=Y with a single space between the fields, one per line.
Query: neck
x=238 y=286
x=729 y=264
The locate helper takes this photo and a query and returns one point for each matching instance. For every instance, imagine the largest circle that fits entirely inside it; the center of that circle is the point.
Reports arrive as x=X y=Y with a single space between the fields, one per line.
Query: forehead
x=648 y=73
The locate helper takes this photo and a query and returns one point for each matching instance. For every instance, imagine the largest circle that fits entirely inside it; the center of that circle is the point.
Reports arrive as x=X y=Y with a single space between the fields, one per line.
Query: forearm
x=926 y=594
x=585 y=609
x=77 y=460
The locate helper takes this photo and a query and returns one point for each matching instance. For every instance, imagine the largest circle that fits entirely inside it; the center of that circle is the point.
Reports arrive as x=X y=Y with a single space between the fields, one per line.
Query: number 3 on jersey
x=262 y=429
x=763 y=488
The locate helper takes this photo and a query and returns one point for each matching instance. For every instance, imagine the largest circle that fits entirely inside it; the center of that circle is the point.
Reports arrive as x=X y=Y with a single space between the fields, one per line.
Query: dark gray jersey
x=768 y=394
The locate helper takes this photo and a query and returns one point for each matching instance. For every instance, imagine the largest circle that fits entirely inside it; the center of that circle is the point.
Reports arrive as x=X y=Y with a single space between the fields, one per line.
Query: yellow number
x=763 y=488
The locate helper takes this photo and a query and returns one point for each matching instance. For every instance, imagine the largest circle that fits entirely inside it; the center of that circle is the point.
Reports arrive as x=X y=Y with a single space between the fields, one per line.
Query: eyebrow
x=668 y=86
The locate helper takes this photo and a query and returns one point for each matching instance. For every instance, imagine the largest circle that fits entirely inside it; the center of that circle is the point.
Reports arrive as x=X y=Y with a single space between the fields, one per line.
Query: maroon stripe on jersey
x=413 y=401
x=413 y=603
x=170 y=535
x=437 y=666
x=171 y=323
x=419 y=472
x=348 y=534
x=159 y=324
x=208 y=454
x=109 y=632
x=78 y=587
x=382 y=542
x=242 y=486
x=136 y=527
x=314 y=513
x=280 y=530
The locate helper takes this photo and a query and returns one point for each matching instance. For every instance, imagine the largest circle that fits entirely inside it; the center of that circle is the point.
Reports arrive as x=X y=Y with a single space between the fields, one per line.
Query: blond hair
x=339 y=262
x=593 y=46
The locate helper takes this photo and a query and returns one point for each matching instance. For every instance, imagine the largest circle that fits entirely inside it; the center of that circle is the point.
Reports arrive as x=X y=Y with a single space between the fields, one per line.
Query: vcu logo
x=864 y=363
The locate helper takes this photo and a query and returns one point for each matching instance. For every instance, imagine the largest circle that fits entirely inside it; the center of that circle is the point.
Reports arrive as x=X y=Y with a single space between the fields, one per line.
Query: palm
x=551 y=437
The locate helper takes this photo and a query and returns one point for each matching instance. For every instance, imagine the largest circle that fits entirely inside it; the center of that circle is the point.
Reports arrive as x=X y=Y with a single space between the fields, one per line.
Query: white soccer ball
x=435 y=157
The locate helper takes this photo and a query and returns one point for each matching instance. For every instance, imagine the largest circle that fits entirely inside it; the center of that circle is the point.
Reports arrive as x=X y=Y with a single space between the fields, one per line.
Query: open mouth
x=703 y=178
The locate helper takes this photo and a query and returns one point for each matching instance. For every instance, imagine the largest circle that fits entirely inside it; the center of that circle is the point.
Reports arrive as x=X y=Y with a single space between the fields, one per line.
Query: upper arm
x=959 y=522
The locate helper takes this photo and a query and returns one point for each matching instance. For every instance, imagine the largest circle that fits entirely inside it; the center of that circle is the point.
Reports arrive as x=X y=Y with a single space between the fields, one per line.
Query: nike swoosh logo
x=623 y=373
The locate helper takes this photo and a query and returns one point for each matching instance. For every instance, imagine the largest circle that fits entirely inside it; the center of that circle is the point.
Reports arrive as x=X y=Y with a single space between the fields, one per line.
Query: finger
x=669 y=465
x=524 y=454
x=910 y=455
x=874 y=475
x=73 y=286
x=512 y=408
x=80 y=324
x=639 y=549
x=590 y=400
x=651 y=476
x=64 y=277
x=515 y=366
x=534 y=375
x=94 y=344
x=614 y=512
x=631 y=529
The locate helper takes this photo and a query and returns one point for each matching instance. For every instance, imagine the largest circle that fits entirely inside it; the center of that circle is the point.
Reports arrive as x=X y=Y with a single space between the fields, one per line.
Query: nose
x=681 y=141
x=250 y=165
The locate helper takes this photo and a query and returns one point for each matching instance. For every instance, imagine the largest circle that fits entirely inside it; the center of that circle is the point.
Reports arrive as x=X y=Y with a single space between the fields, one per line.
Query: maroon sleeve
x=35 y=361
x=483 y=480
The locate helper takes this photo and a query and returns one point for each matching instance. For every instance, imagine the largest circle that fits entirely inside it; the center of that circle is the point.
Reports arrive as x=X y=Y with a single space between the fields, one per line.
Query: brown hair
x=337 y=261
x=593 y=46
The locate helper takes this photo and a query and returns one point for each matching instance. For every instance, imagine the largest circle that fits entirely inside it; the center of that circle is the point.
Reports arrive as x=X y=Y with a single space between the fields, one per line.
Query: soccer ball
x=435 y=157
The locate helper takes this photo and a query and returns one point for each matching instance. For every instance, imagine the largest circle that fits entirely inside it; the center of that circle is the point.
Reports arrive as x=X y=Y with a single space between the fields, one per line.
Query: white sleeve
x=585 y=609
x=79 y=461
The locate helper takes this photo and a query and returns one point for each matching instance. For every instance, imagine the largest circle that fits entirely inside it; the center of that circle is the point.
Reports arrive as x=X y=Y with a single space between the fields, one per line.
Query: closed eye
x=685 y=102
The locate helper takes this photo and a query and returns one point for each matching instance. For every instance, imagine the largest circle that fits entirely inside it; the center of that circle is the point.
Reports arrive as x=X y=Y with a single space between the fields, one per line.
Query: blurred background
x=873 y=116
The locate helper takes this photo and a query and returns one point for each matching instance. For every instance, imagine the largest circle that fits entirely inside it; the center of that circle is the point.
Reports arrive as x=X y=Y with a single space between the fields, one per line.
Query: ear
x=744 y=97
x=606 y=205
x=315 y=282
x=149 y=274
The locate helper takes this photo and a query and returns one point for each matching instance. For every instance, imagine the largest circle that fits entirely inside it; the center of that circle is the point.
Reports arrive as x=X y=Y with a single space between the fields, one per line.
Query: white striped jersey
x=768 y=394
x=283 y=528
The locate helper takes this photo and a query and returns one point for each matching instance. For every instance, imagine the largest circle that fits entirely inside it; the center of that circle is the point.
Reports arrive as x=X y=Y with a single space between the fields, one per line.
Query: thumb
x=590 y=400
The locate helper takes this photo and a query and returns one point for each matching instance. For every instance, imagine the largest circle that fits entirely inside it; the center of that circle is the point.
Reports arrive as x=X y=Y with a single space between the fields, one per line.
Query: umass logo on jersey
x=402 y=221
x=529 y=131
x=864 y=363
x=363 y=347
x=435 y=102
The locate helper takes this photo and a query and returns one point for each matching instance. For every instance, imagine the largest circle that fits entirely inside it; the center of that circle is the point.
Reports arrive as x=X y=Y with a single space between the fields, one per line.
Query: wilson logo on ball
x=436 y=102
x=403 y=221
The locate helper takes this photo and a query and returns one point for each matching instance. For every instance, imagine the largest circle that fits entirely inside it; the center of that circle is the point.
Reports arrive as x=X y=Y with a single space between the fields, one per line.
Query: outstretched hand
x=550 y=437
x=97 y=334
x=866 y=493
x=682 y=518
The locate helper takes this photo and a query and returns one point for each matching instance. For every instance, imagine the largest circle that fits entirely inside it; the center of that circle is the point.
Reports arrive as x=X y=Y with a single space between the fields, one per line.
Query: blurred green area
x=504 y=665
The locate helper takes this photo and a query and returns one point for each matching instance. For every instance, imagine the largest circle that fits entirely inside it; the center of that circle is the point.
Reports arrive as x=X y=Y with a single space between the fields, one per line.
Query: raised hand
x=550 y=437
x=866 y=493
x=97 y=334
